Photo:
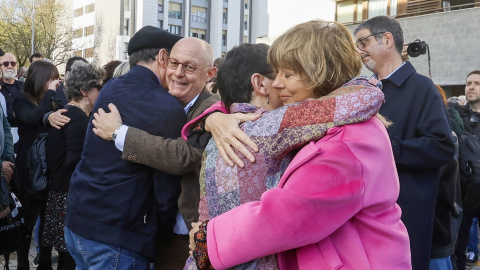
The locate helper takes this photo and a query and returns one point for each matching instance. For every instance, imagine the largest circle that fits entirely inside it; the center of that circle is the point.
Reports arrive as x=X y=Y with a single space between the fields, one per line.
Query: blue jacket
x=111 y=200
x=422 y=142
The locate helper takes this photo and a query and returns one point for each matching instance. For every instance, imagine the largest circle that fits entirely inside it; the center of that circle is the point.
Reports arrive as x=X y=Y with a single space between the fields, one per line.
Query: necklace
x=76 y=105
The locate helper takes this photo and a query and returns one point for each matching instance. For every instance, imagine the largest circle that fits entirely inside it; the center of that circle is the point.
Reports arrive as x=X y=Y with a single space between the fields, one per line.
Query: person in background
x=121 y=69
x=10 y=88
x=211 y=84
x=35 y=57
x=421 y=137
x=22 y=73
x=38 y=98
x=110 y=69
x=64 y=148
x=470 y=112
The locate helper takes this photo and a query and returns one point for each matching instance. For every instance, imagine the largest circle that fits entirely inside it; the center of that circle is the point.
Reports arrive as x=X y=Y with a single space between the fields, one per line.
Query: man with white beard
x=10 y=88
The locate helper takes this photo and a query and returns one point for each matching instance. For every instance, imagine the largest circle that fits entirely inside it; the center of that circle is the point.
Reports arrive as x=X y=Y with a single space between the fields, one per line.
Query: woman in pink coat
x=334 y=207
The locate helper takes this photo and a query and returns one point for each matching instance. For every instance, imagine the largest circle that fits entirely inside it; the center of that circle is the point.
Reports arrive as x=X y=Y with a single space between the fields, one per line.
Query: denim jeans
x=93 y=255
x=473 y=239
x=441 y=264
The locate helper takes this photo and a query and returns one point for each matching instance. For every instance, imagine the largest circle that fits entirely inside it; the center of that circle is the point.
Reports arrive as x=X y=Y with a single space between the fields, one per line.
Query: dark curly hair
x=83 y=77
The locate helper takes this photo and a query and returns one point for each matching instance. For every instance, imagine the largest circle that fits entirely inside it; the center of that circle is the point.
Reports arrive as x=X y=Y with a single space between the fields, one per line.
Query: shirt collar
x=376 y=76
x=190 y=104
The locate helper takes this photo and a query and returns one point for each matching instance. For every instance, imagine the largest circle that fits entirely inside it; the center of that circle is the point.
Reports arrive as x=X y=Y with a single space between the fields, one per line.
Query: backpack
x=469 y=163
x=37 y=166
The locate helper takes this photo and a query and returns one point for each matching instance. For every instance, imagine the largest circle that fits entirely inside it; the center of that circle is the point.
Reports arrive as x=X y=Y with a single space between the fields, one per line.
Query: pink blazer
x=335 y=208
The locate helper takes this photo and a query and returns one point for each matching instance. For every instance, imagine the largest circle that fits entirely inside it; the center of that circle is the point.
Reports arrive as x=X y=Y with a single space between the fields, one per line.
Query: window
x=78 y=12
x=224 y=37
x=224 y=15
x=125 y=51
x=159 y=23
x=78 y=33
x=245 y=22
x=127 y=5
x=89 y=30
x=174 y=29
x=198 y=33
x=88 y=52
x=127 y=27
x=90 y=8
x=160 y=6
x=246 y=4
x=245 y=39
x=175 y=10
x=353 y=10
x=199 y=14
x=77 y=53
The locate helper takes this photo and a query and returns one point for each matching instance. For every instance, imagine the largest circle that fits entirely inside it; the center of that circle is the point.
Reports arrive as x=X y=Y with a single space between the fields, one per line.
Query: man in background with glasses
x=420 y=135
x=470 y=113
x=10 y=87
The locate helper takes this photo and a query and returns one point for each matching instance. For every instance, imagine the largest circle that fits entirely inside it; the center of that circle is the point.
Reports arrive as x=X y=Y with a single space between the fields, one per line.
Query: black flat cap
x=152 y=37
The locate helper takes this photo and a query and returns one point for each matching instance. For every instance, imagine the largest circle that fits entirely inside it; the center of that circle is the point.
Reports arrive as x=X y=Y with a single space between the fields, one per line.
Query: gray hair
x=121 y=69
x=146 y=56
x=380 y=24
x=83 y=76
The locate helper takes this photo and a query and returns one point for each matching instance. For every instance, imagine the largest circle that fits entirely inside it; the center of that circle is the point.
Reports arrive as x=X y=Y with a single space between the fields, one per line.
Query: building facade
x=103 y=28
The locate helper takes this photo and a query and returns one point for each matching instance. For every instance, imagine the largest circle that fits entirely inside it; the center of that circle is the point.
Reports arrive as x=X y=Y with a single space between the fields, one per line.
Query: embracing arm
x=306 y=210
x=173 y=156
x=33 y=116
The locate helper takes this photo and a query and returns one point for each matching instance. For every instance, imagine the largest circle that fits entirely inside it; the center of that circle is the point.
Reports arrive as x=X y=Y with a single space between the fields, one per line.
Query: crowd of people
x=272 y=157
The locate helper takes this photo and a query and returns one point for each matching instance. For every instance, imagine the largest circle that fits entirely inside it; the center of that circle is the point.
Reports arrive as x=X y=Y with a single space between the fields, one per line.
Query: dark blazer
x=422 y=142
x=111 y=200
x=157 y=152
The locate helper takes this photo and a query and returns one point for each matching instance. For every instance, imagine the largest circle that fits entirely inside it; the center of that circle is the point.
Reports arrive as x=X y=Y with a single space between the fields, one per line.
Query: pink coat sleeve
x=318 y=196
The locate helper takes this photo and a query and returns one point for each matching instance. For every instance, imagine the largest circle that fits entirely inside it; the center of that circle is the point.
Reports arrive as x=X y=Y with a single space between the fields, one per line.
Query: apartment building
x=103 y=28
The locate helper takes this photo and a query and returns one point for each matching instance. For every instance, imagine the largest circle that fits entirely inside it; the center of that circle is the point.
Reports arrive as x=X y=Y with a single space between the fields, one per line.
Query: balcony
x=175 y=14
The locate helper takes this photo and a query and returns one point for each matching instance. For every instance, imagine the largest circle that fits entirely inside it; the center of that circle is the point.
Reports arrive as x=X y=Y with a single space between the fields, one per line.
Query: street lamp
x=33 y=27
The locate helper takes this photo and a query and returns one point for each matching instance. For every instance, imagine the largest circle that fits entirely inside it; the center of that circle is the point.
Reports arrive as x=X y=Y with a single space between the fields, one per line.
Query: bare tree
x=53 y=34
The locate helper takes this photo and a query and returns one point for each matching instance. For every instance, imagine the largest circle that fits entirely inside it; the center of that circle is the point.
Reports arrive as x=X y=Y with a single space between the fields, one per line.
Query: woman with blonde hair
x=332 y=207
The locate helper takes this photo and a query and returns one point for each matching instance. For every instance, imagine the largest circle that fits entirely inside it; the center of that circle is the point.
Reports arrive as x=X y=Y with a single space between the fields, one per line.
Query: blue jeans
x=441 y=264
x=93 y=255
x=473 y=239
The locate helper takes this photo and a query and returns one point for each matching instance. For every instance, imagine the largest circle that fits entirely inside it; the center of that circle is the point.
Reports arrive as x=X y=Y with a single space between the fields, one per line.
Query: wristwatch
x=115 y=133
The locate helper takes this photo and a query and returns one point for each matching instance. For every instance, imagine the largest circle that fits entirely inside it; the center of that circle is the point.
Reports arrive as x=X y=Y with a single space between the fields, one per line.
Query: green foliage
x=53 y=34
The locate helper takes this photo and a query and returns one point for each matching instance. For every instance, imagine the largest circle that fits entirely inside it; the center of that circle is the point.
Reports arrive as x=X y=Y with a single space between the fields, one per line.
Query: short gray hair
x=83 y=76
x=146 y=56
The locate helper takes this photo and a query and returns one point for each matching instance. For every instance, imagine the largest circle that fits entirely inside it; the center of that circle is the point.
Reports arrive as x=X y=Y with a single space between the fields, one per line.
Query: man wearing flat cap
x=189 y=68
x=112 y=211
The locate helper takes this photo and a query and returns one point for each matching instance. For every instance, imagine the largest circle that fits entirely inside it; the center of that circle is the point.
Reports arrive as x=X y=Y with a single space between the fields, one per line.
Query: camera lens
x=414 y=49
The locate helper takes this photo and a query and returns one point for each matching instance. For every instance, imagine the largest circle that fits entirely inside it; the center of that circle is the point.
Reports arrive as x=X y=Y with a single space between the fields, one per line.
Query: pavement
x=13 y=258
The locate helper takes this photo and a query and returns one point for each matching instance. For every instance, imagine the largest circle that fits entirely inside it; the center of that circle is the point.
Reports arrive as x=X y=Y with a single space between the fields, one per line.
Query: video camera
x=416 y=48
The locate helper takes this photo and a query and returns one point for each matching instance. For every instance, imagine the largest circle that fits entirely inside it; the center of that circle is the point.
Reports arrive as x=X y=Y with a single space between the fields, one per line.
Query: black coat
x=422 y=142
x=111 y=200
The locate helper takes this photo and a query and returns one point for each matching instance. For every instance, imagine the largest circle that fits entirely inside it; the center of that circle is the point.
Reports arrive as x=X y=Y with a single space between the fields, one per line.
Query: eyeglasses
x=361 y=43
x=188 y=68
x=13 y=63
x=473 y=120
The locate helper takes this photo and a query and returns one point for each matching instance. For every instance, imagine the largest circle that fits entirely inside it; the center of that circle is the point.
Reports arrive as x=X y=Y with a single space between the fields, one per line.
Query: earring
x=268 y=101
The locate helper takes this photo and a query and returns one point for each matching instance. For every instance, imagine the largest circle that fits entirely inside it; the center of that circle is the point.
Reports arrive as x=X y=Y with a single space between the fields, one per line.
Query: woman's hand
x=228 y=136
x=106 y=123
x=53 y=85
x=57 y=119
x=195 y=228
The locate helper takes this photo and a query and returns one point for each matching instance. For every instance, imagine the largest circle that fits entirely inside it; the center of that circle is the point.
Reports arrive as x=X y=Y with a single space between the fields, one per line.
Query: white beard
x=9 y=74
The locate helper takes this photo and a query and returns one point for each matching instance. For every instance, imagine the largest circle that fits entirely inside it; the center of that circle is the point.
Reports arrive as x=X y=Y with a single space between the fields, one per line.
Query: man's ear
x=389 y=42
x=162 y=58
x=257 y=83
x=211 y=72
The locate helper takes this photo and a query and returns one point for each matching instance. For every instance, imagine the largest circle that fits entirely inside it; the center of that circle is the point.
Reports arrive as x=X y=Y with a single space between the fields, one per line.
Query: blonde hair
x=322 y=53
